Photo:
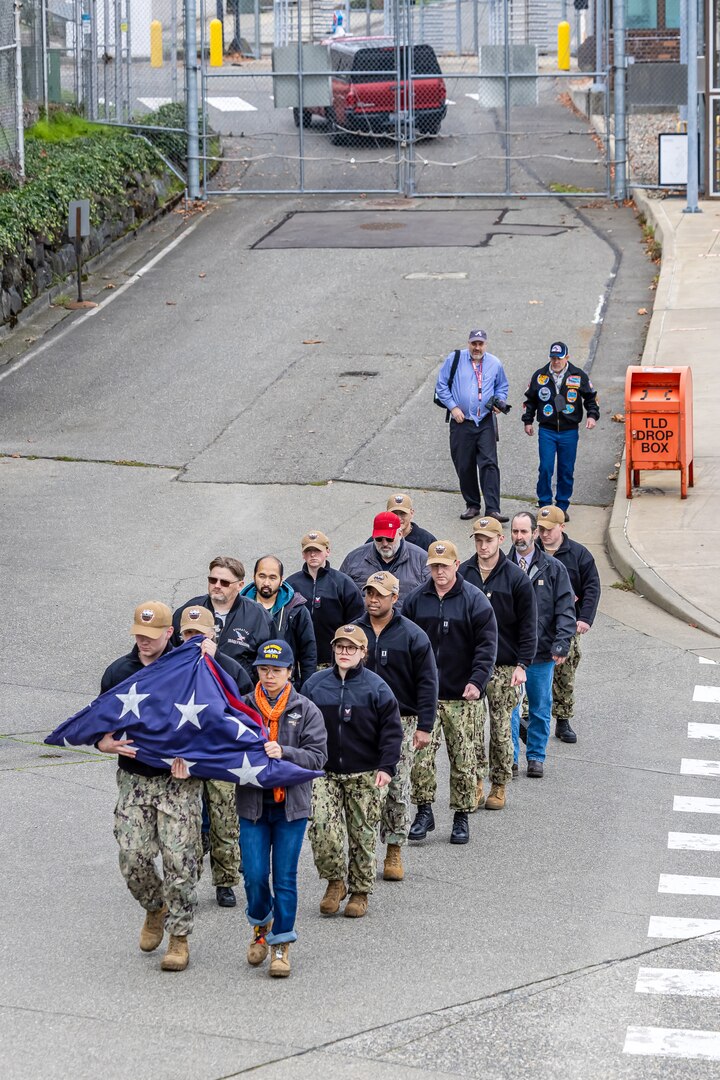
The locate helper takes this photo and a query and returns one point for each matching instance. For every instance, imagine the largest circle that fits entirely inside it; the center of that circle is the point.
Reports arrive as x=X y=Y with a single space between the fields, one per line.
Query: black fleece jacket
x=512 y=599
x=402 y=655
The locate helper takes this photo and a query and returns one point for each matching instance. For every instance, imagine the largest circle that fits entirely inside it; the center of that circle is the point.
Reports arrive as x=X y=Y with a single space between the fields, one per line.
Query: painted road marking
x=682 y=981
x=673 y=1042
x=706 y=660
x=689 y=885
x=699 y=767
x=154 y=102
x=703 y=731
x=475 y=97
x=231 y=104
x=665 y=926
x=693 y=841
x=707 y=693
x=694 y=804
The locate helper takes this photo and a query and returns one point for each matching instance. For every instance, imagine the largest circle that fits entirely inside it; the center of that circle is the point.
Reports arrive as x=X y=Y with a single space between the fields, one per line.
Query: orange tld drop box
x=658 y=423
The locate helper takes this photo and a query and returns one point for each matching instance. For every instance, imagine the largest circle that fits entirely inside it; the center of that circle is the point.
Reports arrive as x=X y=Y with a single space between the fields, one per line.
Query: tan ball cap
x=442 y=551
x=549 y=516
x=198 y=619
x=152 y=619
x=487 y=527
x=316 y=540
x=399 y=502
x=351 y=633
x=384 y=582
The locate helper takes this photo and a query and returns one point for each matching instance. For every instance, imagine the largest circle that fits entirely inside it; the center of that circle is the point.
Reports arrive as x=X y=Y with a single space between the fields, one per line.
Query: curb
x=622 y=554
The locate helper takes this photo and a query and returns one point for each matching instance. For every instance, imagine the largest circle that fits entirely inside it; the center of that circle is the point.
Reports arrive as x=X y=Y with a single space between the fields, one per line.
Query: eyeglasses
x=222 y=581
x=349 y=649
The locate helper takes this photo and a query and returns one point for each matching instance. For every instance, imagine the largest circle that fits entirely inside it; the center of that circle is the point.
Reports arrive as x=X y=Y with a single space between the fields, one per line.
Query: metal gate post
x=20 y=132
x=506 y=27
x=620 y=66
x=692 y=109
x=191 y=100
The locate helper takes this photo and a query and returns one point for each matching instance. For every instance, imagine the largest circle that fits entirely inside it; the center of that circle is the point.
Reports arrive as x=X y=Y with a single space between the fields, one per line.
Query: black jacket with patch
x=576 y=393
x=247 y=626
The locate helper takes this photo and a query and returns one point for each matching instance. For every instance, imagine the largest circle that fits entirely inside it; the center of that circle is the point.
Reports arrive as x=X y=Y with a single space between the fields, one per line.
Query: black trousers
x=473 y=450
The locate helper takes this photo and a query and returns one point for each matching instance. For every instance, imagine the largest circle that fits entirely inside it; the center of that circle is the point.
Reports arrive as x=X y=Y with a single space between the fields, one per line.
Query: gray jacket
x=409 y=566
x=302 y=736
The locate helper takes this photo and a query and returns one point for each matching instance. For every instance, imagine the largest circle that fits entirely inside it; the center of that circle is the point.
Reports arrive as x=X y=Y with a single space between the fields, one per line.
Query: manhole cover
x=382 y=226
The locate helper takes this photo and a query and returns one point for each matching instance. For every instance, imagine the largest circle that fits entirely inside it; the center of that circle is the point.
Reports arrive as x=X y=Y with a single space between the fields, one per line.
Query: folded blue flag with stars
x=183 y=705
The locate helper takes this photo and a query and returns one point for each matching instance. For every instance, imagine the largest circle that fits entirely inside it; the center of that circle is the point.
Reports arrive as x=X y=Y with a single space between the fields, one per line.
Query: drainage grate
x=358 y=374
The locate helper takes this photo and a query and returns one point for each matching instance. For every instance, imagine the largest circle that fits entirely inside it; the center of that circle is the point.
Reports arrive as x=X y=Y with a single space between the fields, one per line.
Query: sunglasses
x=222 y=581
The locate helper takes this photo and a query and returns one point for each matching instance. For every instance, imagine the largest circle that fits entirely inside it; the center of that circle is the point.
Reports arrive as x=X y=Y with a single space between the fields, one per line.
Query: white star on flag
x=248 y=773
x=131 y=700
x=190 y=712
x=242 y=728
x=169 y=760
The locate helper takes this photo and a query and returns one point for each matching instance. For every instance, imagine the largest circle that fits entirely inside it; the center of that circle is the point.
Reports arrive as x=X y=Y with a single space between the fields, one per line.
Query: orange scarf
x=271 y=715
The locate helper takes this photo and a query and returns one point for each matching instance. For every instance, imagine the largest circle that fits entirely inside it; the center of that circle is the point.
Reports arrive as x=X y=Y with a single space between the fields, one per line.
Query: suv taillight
x=351 y=100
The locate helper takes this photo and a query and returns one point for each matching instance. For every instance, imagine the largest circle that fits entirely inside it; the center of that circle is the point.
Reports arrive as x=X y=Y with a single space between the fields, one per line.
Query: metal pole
x=43 y=31
x=191 y=92
x=692 y=110
x=106 y=53
x=506 y=30
x=598 y=84
x=117 y=56
x=173 y=49
x=128 y=60
x=258 y=42
x=20 y=132
x=620 y=67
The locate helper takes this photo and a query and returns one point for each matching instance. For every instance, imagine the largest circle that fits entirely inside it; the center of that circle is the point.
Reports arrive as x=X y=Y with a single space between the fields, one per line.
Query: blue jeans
x=563 y=445
x=272 y=836
x=539 y=694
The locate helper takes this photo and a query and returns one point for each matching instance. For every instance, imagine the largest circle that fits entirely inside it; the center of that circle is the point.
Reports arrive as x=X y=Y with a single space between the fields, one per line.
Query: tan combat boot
x=479 y=794
x=356 y=906
x=393 y=867
x=330 y=903
x=153 y=929
x=258 y=947
x=496 y=798
x=280 y=960
x=177 y=956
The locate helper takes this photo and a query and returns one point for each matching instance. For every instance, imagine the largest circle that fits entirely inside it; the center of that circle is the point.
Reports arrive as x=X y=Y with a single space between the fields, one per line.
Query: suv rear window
x=382 y=62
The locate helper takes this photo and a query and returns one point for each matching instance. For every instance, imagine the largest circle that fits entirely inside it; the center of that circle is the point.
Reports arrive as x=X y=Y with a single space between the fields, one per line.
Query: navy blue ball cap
x=274 y=654
x=558 y=350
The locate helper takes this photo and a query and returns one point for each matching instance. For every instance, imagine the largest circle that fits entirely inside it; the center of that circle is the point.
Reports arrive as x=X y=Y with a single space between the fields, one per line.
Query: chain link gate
x=409 y=97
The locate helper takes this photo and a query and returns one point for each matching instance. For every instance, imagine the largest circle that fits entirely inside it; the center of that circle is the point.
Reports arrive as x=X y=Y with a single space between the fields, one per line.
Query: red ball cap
x=386 y=525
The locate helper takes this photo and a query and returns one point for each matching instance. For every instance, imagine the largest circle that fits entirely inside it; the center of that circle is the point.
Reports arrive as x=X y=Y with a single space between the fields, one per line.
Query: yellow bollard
x=216 y=44
x=563 y=38
x=156 y=48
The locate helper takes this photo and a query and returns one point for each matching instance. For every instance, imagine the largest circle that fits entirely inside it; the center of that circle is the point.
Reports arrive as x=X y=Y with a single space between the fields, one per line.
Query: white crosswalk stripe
x=673 y=1042
x=693 y=841
x=695 y=804
x=703 y=731
x=683 y=981
x=666 y=926
x=699 y=767
x=689 y=885
x=231 y=104
x=707 y=693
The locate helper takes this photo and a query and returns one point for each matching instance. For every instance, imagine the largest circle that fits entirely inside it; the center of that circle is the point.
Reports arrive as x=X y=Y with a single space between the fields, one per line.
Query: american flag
x=183 y=705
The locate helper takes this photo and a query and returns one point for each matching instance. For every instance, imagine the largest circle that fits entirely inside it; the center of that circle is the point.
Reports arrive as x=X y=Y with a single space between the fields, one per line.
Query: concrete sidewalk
x=668 y=544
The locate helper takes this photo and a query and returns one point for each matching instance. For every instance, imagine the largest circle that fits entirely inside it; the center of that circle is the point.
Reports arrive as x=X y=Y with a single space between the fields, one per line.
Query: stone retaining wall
x=29 y=272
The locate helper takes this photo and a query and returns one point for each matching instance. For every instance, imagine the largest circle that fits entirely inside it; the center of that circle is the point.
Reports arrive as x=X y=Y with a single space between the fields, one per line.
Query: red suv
x=369 y=85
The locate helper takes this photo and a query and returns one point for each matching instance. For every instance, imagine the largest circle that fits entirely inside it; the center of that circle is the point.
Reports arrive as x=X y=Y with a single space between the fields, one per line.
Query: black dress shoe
x=424 y=822
x=461 y=830
x=499 y=517
x=564 y=731
x=225 y=896
x=535 y=769
x=470 y=513
x=206 y=843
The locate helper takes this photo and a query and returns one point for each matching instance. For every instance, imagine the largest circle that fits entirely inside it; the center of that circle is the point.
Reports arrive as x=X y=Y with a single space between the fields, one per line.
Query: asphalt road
x=517 y=956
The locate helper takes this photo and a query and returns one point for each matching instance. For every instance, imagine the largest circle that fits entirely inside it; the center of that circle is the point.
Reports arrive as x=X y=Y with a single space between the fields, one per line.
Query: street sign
x=79 y=207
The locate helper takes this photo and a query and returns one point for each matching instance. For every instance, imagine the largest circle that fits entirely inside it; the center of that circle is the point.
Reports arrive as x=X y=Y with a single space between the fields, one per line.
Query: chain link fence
x=11 y=120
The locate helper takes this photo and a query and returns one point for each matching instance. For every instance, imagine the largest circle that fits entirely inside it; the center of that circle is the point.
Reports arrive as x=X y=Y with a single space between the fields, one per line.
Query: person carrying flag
x=158 y=810
x=273 y=820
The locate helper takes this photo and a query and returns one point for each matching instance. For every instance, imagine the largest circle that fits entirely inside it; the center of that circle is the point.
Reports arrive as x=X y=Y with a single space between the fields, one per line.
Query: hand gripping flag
x=183 y=705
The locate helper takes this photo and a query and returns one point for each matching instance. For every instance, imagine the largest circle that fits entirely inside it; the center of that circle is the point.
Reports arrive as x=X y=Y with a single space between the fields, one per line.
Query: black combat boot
x=424 y=822
x=461 y=830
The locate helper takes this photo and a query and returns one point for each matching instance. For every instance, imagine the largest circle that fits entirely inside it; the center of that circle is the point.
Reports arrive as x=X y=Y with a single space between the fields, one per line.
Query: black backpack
x=453 y=371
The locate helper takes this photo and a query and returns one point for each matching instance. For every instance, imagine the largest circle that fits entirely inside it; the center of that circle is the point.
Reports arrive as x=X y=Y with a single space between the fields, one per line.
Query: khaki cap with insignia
x=487 y=527
x=351 y=633
x=384 y=582
x=399 y=502
x=316 y=540
x=549 y=516
x=152 y=619
x=442 y=551
x=197 y=618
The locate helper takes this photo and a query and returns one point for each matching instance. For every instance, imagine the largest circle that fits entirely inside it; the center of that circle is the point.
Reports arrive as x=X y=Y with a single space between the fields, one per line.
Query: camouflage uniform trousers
x=395 y=818
x=346 y=807
x=158 y=814
x=563 y=689
x=457 y=719
x=501 y=700
x=224 y=832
